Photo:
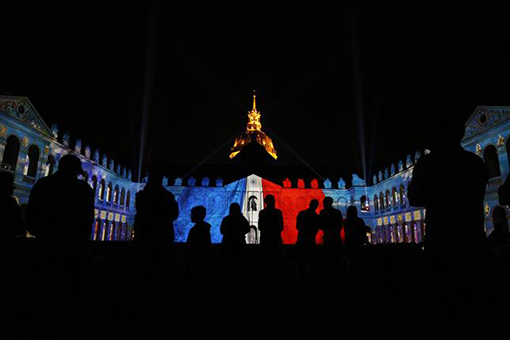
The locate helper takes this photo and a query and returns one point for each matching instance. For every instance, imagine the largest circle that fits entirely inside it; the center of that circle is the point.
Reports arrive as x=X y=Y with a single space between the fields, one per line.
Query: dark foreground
x=137 y=293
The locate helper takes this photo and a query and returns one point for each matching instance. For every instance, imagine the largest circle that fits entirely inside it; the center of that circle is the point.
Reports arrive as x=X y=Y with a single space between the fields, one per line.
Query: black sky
x=93 y=67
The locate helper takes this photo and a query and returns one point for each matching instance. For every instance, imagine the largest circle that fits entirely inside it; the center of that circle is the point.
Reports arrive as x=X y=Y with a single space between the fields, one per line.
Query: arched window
x=50 y=166
x=27 y=164
x=109 y=193
x=381 y=201
x=94 y=184
x=402 y=194
x=100 y=192
x=365 y=205
x=376 y=203
x=116 y=195
x=128 y=199
x=33 y=156
x=252 y=203
x=394 y=195
x=387 y=202
x=122 y=197
x=11 y=153
x=490 y=157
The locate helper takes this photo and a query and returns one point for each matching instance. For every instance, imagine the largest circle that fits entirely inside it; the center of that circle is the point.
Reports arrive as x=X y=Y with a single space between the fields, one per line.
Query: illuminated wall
x=249 y=193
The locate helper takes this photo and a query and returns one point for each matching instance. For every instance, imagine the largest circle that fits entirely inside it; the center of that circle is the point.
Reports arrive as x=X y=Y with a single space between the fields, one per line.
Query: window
x=376 y=203
x=402 y=196
x=100 y=192
x=27 y=164
x=116 y=195
x=387 y=202
x=394 y=197
x=33 y=157
x=122 y=197
x=109 y=193
x=365 y=205
x=381 y=201
x=128 y=199
x=94 y=184
x=11 y=153
x=50 y=166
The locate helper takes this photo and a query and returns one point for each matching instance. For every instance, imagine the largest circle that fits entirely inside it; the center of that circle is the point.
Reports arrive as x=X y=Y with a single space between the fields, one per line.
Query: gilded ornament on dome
x=253 y=130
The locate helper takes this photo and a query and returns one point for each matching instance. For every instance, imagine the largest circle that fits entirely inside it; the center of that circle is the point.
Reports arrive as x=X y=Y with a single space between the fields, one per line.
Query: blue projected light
x=215 y=200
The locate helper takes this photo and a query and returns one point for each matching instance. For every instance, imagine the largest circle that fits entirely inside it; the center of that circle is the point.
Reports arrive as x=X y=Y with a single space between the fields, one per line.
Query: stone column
x=43 y=160
x=2 y=149
x=502 y=158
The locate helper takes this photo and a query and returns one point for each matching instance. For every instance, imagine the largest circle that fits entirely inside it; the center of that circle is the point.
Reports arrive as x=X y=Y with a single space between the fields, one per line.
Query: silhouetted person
x=270 y=223
x=331 y=223
x=450 y=183
x=10 y=213
x=355 y=232
x=199 y=236
x=60 y=213
x=307 y=224
x=156 y=210
x=234 y=227
x=60 y=209
x=199 y=240
x=455 y=220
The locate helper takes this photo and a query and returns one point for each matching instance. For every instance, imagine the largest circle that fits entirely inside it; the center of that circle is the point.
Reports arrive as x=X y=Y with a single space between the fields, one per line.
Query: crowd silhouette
x=457 y=255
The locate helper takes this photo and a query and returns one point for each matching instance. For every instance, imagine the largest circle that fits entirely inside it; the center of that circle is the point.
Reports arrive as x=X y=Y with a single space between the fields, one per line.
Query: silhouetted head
x=327 y=202
x=70 y=165
x=314 y=204
x=6 y=184
x=155 y=176
x=499 y=218
x=198 y=214
x=235 y=209
x=352 y=212
x=447 y=133
x=269 y=201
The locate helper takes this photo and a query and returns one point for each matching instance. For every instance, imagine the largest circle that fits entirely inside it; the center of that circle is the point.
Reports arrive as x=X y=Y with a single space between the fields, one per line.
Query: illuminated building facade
x=30 y=150
x=393 y=220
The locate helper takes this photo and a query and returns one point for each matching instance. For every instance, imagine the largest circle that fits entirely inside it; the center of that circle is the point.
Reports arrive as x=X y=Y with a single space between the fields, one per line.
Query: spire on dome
x=253 y=129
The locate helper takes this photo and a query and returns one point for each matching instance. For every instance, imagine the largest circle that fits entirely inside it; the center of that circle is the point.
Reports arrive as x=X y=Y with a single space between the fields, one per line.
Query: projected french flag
x=249 y=193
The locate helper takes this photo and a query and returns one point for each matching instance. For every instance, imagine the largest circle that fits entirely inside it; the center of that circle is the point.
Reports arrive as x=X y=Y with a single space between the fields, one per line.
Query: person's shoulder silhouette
x=331 y=222
x=307 y=224
x=12 y=222
x=200 y=234
x=61 y=206
x=270 y=223
x=156 y=210
x=234 y=227
x=355 y=229
x=450 y=183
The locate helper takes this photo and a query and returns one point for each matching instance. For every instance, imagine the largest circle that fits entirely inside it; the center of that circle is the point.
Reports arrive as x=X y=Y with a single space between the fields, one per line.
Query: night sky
x=333 y=83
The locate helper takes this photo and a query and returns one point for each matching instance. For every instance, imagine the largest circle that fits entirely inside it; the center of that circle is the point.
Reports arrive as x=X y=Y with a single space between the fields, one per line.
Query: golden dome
x=253 y=131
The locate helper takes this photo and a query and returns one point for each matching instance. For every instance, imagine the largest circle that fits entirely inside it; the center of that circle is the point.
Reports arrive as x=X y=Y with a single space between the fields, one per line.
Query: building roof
x=485 y=118
x=23 y=111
